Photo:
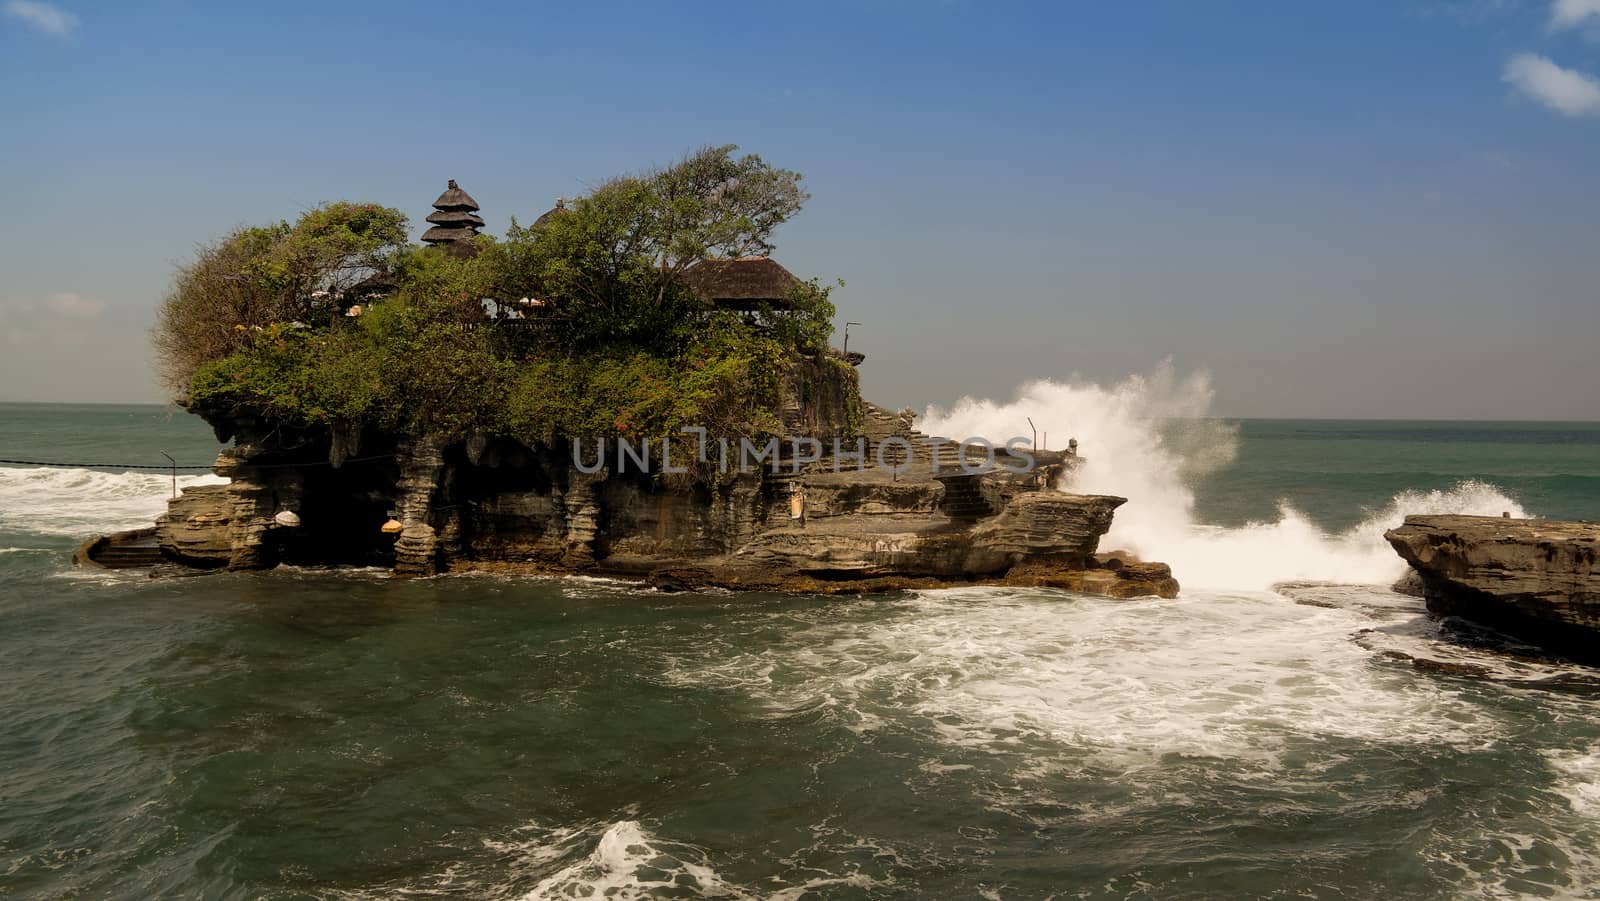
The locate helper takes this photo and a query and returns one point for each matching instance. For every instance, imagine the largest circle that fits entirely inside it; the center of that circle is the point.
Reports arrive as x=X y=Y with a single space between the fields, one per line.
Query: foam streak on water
x=1148 y=438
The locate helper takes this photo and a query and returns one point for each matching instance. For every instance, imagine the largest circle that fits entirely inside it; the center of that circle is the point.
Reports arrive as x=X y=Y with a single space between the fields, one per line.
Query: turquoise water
x=325 y=734
x=1334 y=469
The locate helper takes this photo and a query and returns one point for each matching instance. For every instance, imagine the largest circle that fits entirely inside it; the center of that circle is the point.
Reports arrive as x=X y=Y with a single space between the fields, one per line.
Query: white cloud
x=46 y=17
x=1572 y=13
x=1496 y=161
x=1469 y=12
x=75 y=306
x=1566 y=91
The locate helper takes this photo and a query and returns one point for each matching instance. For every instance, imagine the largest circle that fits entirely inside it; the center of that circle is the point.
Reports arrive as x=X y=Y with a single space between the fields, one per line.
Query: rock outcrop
x=1047 y=524
x=197 y=529
x=416 y=552
x=509 y=507
x=854 y=500
x=257 y=490
x=1534 y=579
x=1115 y=575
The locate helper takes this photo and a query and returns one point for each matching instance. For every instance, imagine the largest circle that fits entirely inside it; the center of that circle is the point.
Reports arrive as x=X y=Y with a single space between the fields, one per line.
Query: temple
x=455 y=220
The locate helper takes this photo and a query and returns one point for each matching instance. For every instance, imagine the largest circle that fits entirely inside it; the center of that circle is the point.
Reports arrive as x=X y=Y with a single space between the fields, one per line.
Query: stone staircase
x=122 y=550
x=119 y=556
x=964 y=498
x=880 y=424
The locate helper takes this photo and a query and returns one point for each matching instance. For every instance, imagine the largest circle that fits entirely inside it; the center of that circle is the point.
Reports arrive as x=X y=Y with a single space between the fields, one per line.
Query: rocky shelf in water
x=501 y=505
x=1532 y=579
x=866 y=531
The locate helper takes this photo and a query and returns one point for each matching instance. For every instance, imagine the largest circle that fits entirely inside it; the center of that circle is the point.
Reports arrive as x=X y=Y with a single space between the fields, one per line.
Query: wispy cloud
x=46 y=17
x=1468 y=12
x=60 y=320
x=1566 y=14
x=1567 y=91
x=1496 y=161
x=75 y=306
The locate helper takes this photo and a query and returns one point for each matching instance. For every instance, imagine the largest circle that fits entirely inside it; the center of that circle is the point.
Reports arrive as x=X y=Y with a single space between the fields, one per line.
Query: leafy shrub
x=258 y=276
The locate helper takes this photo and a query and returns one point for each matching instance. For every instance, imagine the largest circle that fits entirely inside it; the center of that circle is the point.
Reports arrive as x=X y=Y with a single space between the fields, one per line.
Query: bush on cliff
x=406 y=370
x=258 y=276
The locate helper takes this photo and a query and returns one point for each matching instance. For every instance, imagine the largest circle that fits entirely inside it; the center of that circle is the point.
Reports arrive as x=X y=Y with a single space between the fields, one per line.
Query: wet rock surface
x=1533 y=579
x=196 y=529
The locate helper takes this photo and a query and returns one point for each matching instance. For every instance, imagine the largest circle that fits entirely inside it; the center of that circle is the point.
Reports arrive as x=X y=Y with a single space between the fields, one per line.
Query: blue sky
x=1340 y=210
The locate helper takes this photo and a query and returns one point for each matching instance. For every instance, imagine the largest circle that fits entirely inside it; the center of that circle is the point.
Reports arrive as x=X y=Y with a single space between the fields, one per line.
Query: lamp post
x=174 y=472
x=847 y=335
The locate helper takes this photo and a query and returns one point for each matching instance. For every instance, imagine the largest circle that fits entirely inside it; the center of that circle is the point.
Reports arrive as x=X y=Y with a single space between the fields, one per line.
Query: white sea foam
x=620 y=860
x=1578 y=779
x=1168 y=701
x=1147 y=438
x=629 y=862
x=1512 y=851
x=82 y=502
x=1099 y=683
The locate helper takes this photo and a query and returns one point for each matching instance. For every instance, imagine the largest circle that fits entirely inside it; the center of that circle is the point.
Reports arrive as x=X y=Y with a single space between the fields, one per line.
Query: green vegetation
x=613 y=344
x=258 y=276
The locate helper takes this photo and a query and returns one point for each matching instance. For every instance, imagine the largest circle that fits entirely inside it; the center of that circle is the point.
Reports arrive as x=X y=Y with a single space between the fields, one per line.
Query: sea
x=340 y=734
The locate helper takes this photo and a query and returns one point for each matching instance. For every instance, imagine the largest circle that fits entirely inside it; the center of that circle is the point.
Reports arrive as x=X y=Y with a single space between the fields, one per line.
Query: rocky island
x=630 y=386
x=1536 y=580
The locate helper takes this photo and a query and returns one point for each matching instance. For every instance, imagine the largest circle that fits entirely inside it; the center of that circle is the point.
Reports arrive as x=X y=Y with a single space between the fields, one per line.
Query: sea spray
x=1149 y=438
x=1258 y=555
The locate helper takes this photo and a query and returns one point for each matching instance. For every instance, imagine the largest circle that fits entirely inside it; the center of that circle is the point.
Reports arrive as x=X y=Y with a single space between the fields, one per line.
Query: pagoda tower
x=455 y=220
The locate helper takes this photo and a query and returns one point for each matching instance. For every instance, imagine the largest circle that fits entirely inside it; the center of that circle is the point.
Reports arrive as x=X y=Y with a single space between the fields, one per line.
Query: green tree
x=613 y=261
x=261 y=275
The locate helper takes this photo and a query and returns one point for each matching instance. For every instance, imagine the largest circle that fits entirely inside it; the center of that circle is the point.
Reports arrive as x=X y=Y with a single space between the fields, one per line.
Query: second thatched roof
x=748 y=283
x=559 y=209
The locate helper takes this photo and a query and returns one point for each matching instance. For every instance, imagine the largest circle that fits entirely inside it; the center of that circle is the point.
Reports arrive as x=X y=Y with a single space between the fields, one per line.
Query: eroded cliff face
x=501 y=504
x=1538 y=580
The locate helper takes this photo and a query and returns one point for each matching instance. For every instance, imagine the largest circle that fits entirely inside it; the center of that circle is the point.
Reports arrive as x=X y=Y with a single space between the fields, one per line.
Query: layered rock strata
x=1536 y=580
x=894 y=509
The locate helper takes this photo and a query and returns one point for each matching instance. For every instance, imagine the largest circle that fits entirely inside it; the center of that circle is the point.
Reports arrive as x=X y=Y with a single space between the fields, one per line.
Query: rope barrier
x=161 y=466
x=168 y=467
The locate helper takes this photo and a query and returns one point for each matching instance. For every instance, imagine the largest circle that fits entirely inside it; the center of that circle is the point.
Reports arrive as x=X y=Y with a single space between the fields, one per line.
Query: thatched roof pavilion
x=748 y=283
x=455 y=219
x=559 y=209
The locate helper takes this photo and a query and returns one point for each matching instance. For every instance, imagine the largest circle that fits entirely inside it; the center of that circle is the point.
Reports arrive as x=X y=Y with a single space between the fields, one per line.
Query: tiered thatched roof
x=452 y=219
x=748 y=283
x=455 y=220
